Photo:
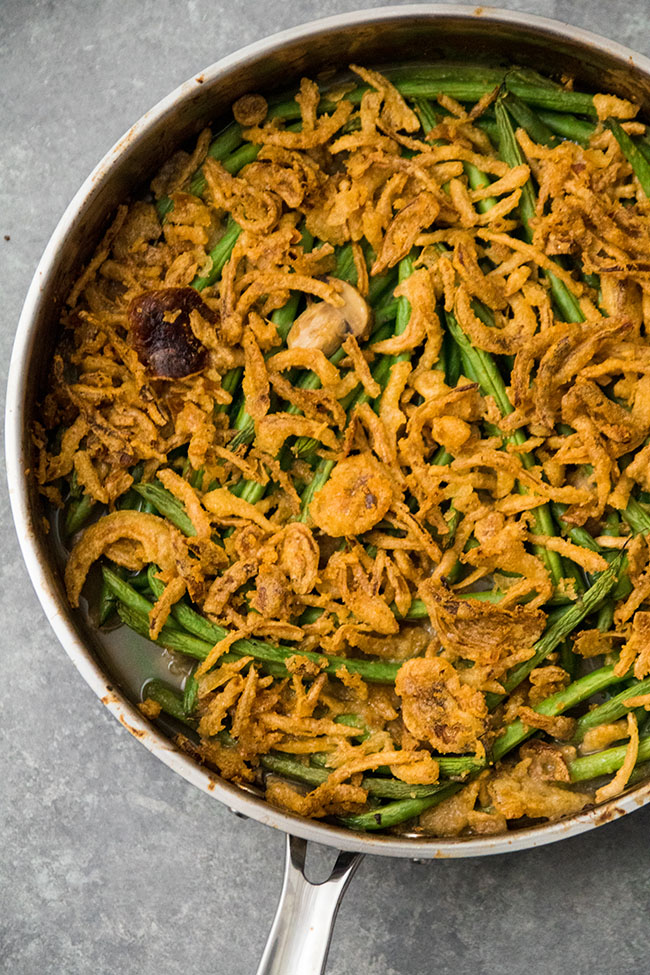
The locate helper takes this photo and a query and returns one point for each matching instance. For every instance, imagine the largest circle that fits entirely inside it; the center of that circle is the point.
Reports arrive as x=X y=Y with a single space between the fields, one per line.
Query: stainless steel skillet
x=301 y=932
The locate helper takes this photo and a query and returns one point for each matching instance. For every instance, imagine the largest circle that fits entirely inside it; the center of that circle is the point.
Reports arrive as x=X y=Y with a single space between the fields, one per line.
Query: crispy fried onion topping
x=357 y=496
x=472 y=630
x=302 y=316
x=437 y=707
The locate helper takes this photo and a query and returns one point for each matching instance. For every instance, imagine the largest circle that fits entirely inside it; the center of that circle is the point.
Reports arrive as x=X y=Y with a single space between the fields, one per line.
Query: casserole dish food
x=445 y=33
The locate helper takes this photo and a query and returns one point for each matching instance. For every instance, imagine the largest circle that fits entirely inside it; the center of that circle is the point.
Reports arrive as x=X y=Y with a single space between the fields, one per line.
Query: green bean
x=452 y=71
x=76 y=489
x=78 y=513
x=561 y=628
x=528 y=76
x=380 y=372
x=196 y=478
x=227 y=149
x=634 y=156
x=426 y=113
x=456 y=72
x=170 y=701
x=405 y=270
x=387 y=312
x=471 y=89
x=283 y=318
x=578 y=535
x=164 y=206
x=558 y=100
x=644 y=147
x=252 y=491
x=172 y=638
x=241 y=157
x=321 y=475
x=529 y=120
x=510 y=152
x=130 y=500
x=605 y=762
x=187 y=618
x=613 y=524
x=611 y=710
x=637 y=517
x=478 y=181
x=578 y=691
x=489 y=126
x=458 y=766
x=230 y=383
x=107 y=603
x=220 y=148
x=568 y=126
x=398 y=812
x=168 y=506
x=387 y=788
x=245 y=427
x=479 y=366
x=226 y=141
x=344 y=267
x=125 y=593
x=605 y=617
x=190 y=694
x=379 y=289
x=453 y=360
x=568 y=661
x=354 y=721
x=291 y=768
x=134 y=612
x=219 y=255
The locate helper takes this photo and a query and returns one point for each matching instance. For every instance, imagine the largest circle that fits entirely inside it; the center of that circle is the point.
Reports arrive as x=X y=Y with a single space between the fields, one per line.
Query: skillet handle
x=300 y=936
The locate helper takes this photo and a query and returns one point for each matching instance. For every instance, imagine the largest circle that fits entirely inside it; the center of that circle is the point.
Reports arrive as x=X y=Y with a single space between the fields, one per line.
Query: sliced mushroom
x=161 y=333
x=324 y=327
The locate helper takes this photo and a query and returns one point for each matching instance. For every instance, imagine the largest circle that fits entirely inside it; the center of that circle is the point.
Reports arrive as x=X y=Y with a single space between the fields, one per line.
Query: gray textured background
x=109 y=862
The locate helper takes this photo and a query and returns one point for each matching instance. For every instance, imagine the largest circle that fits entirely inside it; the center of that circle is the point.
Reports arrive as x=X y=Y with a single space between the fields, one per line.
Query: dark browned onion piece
x=161 y=333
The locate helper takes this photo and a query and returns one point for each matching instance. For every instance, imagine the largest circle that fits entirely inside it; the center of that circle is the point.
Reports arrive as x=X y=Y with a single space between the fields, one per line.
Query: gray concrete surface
x=109 y=863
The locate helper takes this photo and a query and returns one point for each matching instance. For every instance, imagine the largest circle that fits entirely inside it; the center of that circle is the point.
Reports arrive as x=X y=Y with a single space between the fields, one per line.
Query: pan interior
x=381 y=38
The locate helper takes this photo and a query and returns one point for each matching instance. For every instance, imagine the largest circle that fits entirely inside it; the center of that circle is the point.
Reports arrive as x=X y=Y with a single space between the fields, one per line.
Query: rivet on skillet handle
x=301 y=932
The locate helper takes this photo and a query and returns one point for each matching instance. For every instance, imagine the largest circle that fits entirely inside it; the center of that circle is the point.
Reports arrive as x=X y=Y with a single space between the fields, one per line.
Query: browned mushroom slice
x=323 y=326
x=161 y=333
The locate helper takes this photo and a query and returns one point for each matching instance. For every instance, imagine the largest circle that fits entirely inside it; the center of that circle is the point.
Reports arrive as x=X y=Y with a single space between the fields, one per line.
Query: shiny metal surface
x=300 y=936
x=375 y=37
